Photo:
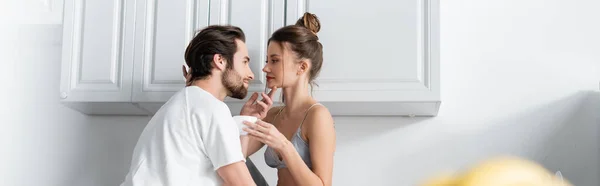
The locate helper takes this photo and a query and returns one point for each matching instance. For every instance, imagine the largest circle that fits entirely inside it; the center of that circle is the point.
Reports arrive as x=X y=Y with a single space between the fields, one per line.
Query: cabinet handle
x=63 y=95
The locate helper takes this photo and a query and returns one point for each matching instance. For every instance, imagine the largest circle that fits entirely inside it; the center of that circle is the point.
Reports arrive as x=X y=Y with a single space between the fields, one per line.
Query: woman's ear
x=303 y=67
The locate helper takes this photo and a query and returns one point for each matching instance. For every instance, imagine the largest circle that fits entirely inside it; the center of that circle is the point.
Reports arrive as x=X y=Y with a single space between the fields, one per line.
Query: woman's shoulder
x=319 y=122
x=318 y=114
x=318 y=109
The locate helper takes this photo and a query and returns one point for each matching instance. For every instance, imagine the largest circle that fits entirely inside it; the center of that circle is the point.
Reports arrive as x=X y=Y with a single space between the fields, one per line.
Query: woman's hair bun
x=310 y=21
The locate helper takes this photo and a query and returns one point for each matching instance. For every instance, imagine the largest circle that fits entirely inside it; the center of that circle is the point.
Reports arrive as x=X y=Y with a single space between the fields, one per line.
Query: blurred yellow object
x=442 y=180
x=500 y=171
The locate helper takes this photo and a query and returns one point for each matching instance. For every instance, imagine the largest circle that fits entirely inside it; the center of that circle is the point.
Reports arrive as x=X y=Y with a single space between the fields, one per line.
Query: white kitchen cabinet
x=97 y=58
x=164 y=30
x=31 y=11
x=380 y=57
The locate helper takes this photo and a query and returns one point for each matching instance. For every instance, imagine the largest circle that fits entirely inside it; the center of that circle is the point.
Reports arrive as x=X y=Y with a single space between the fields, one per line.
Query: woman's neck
x=296 y=99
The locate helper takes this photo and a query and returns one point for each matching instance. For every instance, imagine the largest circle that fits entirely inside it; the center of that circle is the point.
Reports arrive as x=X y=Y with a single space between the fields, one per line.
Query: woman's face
x=281 y=67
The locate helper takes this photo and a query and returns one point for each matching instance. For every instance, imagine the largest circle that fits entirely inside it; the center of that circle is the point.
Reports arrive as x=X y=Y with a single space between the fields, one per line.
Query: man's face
x=236 y=79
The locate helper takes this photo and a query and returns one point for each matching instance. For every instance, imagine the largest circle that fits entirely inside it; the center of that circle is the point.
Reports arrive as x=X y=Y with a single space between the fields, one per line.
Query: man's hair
x=214 y=39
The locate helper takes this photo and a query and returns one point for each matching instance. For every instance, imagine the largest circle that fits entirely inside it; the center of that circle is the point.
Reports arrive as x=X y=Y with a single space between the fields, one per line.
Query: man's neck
x=212 y=86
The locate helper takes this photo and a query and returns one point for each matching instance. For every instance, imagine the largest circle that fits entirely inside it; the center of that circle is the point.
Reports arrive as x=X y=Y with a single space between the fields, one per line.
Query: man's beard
x=234 y=84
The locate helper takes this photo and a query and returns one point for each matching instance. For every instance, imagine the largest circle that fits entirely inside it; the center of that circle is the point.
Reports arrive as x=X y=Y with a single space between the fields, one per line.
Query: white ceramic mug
x=239 y=120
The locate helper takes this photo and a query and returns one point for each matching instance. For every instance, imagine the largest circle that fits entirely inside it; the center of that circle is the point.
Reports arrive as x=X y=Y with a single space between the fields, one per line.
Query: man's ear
x=185 y=72
x=219 y=62
x=187 y=75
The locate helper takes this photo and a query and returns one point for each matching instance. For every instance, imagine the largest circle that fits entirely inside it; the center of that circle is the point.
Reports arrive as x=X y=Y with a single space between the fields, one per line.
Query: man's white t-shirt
x=188 y=139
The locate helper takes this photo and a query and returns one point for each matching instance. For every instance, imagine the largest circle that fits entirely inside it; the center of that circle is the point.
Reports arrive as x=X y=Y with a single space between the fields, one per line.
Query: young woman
x=300 y=135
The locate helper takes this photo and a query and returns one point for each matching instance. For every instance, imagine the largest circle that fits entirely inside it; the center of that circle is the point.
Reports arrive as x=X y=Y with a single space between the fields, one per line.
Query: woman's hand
x=267 y=133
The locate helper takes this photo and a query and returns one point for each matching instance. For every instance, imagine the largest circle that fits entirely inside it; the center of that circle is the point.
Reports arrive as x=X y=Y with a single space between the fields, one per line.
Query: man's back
x=186 y=141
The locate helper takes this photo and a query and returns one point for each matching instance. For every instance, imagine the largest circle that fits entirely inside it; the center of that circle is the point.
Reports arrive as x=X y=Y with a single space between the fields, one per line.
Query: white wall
x=516 y=79
x=49 y=144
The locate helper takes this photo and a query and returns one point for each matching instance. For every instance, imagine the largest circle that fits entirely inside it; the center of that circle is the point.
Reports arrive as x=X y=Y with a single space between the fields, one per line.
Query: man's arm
x=249 y=146
x=221 y=141
x=236 y=174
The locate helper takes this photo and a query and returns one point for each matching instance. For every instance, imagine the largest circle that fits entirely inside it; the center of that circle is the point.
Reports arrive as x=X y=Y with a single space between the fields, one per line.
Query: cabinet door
x=31 y=11
x=376 y=51
x=97 y=51
x=165 y=30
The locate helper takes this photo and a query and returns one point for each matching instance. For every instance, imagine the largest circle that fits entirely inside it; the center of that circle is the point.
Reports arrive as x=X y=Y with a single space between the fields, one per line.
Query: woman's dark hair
x=214 y=39
x=303 y=40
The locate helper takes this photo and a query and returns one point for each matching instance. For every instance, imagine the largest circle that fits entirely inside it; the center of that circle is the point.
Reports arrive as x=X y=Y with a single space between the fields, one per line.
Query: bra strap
x=306 y=114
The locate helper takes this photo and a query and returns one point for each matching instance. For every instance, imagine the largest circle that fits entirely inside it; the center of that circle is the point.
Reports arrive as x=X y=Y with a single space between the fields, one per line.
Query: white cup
x=239 y=120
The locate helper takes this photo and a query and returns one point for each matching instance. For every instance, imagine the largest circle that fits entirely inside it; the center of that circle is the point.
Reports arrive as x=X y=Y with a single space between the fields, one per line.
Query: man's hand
x=259 y=108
